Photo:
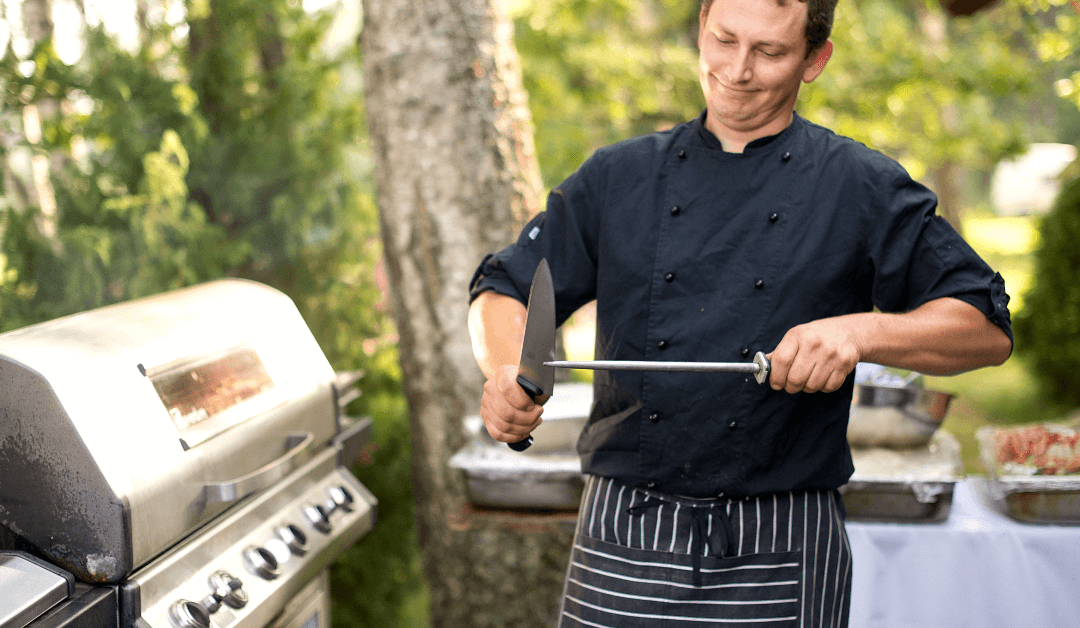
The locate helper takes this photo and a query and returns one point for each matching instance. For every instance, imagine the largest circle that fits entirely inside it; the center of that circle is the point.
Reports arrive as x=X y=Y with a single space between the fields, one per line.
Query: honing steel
x=759 y=368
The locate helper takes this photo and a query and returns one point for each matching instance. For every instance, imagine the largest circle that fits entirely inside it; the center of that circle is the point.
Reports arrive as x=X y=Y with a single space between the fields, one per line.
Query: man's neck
x=735 y=142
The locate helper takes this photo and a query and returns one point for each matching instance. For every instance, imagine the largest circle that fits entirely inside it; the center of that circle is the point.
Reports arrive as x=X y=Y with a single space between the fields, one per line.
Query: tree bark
x=456 y=175
x=944 y=175
x=37 y=20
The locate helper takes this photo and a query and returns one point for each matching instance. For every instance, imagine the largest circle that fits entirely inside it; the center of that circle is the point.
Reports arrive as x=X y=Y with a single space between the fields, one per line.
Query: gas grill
x=178 y=461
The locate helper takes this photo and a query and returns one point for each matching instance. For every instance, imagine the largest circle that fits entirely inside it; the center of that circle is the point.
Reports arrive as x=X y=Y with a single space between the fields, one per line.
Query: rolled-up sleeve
x=565 y=235
x=917 y=256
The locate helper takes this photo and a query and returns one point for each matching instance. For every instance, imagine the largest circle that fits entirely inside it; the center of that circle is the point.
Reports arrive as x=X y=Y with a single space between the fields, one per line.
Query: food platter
x=1031 y=472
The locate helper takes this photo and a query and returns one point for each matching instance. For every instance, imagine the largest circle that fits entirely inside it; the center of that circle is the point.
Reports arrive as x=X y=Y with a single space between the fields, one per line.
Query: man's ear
x=817 y=66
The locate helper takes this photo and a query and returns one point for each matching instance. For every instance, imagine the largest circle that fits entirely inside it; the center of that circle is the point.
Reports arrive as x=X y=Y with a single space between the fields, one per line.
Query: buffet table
x=979 y=568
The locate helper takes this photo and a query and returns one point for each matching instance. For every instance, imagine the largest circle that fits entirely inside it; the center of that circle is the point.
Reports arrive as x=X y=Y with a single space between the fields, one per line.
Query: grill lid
x=125 y=428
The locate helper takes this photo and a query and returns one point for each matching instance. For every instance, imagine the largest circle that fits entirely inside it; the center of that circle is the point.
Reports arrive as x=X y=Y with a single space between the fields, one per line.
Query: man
x=710 y=498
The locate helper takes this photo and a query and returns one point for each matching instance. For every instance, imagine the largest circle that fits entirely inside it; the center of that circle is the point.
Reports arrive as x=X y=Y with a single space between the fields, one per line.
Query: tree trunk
x=944 y=175
x=945 y=181
x=37 y=20
x=456 y=176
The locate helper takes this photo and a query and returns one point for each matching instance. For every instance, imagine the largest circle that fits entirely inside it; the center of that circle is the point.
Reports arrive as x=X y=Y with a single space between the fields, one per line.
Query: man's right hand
x=507 y=410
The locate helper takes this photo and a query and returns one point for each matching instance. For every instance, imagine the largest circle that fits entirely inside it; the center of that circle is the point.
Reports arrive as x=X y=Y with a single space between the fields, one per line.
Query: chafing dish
x=1021 y=494
x=545 y=476
x=913 y=485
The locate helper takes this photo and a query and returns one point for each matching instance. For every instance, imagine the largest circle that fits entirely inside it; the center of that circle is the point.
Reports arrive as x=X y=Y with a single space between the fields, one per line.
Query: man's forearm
x=497 y=326
x=942 y=337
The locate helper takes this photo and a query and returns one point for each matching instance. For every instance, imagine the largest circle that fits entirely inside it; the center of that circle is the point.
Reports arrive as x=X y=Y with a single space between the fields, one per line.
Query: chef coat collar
x=711 y=141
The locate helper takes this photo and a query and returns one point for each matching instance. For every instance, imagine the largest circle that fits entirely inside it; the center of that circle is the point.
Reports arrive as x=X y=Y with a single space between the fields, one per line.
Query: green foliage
x=922 y=98
x=1048 y=328
x=234 y=149
x=599 y=72
x=378 y=581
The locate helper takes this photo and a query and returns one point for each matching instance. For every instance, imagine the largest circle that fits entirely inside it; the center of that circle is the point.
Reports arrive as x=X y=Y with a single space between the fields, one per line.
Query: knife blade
x=535 y=377
x=759 y=367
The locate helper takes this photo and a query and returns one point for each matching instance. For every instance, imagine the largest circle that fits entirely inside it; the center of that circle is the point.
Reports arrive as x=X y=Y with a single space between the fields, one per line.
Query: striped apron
x=642 y=558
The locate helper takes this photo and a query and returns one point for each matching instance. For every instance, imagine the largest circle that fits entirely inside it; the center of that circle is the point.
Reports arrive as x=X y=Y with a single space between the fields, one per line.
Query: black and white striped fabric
x=646 y=559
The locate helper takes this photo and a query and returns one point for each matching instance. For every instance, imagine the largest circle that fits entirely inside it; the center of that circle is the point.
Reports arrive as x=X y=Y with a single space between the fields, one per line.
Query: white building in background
x=1029 y=183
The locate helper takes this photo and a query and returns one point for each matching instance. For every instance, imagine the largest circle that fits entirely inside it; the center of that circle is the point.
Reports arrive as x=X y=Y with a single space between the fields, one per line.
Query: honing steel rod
x=759 y=367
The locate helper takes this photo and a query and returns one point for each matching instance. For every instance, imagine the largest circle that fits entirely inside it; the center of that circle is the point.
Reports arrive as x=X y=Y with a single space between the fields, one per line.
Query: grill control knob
x=295 y=538
x=261 y=562
x=187 y=614
x=318 y=518
x=211 y=603
x=227 y=588
x=340 y=499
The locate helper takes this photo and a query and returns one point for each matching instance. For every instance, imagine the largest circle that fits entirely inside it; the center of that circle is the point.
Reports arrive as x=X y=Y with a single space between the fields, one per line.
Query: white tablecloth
x=979 y=568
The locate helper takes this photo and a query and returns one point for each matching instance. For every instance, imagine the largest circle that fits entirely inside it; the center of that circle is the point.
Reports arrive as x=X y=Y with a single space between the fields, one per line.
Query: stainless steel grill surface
x=184 y=451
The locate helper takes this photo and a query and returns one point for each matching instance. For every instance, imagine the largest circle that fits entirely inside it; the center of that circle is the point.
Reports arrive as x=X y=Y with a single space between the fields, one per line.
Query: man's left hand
x=815 y=357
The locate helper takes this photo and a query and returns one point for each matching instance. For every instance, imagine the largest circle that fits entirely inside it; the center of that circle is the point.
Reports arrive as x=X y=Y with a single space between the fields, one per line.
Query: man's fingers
x=779 y=367
x=509 y=413
x=836 y=380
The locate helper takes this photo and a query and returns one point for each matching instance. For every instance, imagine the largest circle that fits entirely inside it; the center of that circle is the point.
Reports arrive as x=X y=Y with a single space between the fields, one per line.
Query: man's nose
x=740 y=67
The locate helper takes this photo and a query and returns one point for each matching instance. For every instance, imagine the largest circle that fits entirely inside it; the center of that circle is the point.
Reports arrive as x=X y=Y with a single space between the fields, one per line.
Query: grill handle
x=298 y=450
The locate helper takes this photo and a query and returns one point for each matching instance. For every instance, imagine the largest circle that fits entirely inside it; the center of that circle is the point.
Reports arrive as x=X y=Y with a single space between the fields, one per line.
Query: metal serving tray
x=913 y=485
x=546 y=476
x=501 y=478
x=1053 y=499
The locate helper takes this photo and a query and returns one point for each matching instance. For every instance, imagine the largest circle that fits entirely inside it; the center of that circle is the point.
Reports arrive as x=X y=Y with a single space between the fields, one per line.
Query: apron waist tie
x=700 y=516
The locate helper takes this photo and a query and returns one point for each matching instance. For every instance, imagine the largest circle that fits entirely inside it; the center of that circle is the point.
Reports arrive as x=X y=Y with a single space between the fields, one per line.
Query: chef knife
x=759 y=367
x=538 y=345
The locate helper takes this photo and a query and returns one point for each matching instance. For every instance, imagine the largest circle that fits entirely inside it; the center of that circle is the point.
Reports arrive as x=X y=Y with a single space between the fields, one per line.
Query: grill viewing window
x=194 y=392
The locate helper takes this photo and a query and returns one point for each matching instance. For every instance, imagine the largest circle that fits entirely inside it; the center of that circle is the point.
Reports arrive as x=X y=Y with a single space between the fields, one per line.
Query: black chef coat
x=693 y=253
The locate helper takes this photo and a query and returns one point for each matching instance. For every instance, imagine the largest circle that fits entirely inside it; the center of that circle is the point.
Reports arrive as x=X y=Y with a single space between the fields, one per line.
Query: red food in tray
x=1038 y=449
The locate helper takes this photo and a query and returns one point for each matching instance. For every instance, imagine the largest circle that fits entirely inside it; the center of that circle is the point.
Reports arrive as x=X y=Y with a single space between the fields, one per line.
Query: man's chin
x=735 y=122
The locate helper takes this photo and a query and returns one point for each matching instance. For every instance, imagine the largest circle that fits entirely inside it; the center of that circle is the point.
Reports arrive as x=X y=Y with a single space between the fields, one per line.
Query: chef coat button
x=675 y=210
x=654 y=417
x=682 y=154
x=759 y=284
x=669 y=277
x=785 y=157
x=745 y=351
x=652 y=484
x=732 y=425
x=661 y=345
x=773 y=217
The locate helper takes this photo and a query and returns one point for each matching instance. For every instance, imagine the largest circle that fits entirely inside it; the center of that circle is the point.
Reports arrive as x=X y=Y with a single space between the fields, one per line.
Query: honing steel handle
x=764 y=367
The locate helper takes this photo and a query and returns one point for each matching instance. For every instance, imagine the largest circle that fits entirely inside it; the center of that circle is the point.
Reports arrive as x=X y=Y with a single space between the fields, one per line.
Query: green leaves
x=1048 y=327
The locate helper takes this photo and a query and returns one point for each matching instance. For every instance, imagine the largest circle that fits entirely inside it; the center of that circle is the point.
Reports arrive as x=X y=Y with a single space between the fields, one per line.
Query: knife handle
x=534 y=392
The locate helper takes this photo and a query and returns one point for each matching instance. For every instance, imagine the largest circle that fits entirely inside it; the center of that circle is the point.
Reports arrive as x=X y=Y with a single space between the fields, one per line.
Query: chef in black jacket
x=710 y=497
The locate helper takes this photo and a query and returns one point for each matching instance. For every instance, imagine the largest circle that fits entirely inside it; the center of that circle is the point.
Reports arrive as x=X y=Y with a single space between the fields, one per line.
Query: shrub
x=1048 y=328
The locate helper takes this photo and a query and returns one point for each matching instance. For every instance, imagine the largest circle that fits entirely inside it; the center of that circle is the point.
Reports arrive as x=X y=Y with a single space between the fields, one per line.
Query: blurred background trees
x=151 y=144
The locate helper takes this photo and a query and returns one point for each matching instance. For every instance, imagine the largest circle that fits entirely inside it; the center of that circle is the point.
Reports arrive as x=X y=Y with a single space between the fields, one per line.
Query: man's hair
x=819 y=20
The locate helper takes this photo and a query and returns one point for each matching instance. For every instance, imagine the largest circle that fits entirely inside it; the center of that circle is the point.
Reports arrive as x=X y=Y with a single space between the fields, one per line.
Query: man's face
x=752 y=60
